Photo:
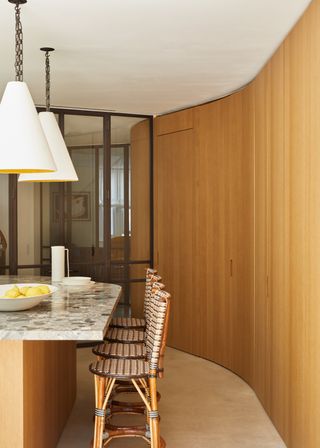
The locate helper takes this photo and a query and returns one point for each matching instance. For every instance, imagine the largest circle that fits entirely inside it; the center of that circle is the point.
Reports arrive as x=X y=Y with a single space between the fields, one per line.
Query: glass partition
x=104 y=219
x=130 y=203
x=84 y=203
x=29 y=226
x=4 y=222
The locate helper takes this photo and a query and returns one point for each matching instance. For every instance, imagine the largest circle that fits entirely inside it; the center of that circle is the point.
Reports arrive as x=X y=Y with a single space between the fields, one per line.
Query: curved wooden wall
x=237 y=231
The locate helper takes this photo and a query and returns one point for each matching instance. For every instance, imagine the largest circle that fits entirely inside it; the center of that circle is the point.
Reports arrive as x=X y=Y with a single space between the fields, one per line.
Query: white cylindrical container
x=57 y=263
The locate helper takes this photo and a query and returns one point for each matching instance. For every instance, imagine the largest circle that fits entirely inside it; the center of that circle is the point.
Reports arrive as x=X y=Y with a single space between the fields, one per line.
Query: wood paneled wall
x=237 y=231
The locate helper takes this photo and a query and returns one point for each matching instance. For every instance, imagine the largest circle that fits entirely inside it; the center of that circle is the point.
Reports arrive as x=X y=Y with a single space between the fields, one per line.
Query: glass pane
x=130 y=188
x=36 y=232
x=101 y=197
x=117 y=212
x=50 y=222
x=28 y=225
x=137 y=289
x=4 y=221
x=83 y=200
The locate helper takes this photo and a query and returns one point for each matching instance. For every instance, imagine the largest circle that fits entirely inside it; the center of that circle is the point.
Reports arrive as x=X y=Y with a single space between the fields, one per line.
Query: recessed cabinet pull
x=231 y=268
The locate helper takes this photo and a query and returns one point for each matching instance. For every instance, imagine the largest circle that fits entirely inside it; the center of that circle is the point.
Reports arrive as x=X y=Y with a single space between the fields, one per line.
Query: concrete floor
x=206 y=407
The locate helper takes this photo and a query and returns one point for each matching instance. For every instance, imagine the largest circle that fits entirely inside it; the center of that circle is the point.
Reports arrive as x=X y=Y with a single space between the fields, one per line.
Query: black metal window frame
x=14 y=265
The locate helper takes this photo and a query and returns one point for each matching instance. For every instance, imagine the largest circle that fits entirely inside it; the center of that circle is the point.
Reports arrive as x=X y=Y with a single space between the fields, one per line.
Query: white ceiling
x=144 y=56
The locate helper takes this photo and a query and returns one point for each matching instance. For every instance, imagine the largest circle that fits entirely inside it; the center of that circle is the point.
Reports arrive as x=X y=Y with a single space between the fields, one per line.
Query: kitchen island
x=38 y=359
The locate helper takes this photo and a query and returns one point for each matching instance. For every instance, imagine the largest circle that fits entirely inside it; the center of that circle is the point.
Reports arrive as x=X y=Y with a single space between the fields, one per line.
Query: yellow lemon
x=33 y=291
x=12 y=293
x=44 y=289
x=21 y=297
x=23 y=290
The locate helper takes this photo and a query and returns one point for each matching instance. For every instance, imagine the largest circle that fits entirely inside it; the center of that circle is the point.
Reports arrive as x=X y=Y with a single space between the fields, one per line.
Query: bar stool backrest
x=156 y=285
x=150 y=272
x=150 y=280
x=157 y=331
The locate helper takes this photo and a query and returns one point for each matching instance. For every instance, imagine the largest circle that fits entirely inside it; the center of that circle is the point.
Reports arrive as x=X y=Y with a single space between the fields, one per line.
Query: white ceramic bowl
x=76 y=281
x=24 y=303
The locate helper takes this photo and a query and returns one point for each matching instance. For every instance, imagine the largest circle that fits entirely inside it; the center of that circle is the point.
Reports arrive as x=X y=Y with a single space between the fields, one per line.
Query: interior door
x=176 y=230
x=241 y=222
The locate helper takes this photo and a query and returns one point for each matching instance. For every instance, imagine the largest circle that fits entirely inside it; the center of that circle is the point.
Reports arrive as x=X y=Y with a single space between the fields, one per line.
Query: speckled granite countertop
x=72 y=313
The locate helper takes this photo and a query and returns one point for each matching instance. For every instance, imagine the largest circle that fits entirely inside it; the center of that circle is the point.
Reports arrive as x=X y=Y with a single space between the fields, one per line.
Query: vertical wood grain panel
x=302 y=79
x=239 y=143
x=176 y=229
x=11 y=393
x=262 y=323
x=313 y=357
x=279 y=250
x=49 y=390
x=37 y=391
x=211 y=265
x=205 y=212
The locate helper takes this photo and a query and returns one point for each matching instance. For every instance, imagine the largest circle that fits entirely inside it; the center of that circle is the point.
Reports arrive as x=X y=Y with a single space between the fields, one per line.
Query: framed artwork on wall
x=80 y=206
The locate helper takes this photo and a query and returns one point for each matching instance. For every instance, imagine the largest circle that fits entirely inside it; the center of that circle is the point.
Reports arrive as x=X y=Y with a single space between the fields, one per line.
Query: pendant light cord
x=47 y=81
x=19 y=46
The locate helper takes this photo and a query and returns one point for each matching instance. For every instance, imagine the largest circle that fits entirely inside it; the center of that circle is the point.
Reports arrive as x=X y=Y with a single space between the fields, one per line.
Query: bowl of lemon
x=23 y=296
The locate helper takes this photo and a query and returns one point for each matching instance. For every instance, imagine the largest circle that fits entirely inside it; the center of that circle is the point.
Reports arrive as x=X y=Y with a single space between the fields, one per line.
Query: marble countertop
x=72 y=313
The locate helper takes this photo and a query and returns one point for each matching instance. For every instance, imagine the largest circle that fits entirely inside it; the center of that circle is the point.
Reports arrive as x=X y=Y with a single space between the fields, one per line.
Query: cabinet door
x=279 y=200
x=262 y=316
x=212 y=240
x=239 y=136
x=174 y=163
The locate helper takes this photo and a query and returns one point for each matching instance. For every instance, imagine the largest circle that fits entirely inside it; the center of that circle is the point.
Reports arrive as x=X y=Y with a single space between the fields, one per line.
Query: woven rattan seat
x=121 y=368
x=128 y=322
x=118 y=350
x=128 y=336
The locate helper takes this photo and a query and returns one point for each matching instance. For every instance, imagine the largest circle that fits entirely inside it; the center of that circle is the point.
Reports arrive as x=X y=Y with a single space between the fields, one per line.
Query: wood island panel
x=11 y=394
x=49 y=390
x=37 y=392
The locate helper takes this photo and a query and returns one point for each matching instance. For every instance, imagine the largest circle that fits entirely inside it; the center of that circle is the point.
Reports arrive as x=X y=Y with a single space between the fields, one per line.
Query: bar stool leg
x=155 y=440
x=100 y=385
x=103 y=389
x=146 y=399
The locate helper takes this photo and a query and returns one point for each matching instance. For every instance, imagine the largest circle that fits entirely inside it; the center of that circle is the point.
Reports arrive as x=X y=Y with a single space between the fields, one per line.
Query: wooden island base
x=37 y=392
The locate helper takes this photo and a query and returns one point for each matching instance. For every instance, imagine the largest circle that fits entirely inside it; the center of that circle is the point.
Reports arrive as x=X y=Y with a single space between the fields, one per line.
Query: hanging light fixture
x=65 y=169
x=23 y=145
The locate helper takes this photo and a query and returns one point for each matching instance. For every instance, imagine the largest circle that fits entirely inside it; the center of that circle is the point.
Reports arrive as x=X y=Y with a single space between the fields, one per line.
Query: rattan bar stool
x=133 y=335
x=135 y=322
x=127 y=351
x=142 y=374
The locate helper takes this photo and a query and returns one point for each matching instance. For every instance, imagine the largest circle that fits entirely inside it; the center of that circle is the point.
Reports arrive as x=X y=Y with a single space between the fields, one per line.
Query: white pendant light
x=65 y=169
x=23 y=145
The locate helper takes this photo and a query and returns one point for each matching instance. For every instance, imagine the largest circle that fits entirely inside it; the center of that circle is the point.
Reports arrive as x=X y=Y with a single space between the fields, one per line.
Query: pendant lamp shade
x=23 y=145
x=65 y=169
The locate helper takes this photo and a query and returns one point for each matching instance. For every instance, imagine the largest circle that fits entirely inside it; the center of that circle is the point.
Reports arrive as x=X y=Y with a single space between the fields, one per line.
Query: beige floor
x=205 y=407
